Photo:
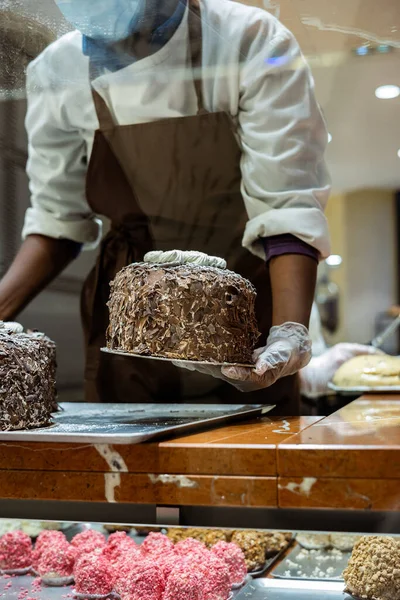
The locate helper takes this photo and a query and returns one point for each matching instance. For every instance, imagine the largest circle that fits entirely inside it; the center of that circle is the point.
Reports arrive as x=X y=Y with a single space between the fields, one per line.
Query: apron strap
x=196 y=51
x=103 y=112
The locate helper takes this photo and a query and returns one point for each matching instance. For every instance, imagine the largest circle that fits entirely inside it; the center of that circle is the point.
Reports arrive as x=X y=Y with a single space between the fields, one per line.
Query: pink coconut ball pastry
x=234 y=559
x=87 y=558
x=119 y=543
x=15 y=551
x=36 y=554
x=57 y=561
x=184 y=584
x=217 y=584
x=94 y=575
x=89 y=540
x=190 y=546
x=125 y=562
x=156 y=544
x=127 y=567
x=144 y=582
x=170 y=561
x=48 y=538
x=47 y=544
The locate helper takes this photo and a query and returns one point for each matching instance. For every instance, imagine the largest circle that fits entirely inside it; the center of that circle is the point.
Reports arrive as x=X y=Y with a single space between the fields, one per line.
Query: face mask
x=105 y=20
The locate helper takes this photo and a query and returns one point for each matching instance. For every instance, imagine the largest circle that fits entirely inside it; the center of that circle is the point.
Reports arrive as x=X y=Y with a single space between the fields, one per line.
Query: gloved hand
x=287 y=351
x=314 y=378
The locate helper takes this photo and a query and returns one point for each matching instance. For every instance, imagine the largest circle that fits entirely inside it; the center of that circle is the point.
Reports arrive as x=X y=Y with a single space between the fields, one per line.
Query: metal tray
x=270 y=589
x=271 y=561
x=131 y=423
x=315 y=559
x=176 y=361
x=16 y=591
x=20 y=584
x=364 y=389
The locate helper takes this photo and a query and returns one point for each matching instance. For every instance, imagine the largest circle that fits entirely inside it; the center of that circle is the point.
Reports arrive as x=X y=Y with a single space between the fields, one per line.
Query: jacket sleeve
x=56 y=166
x=285 y=183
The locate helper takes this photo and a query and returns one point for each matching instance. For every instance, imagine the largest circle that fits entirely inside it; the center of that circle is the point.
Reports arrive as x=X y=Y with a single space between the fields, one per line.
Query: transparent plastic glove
x=314 y=378
x=287 y=351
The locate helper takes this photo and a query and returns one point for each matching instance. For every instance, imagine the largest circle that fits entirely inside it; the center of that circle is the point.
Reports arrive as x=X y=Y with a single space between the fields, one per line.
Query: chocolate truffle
x=253 y=547
x=274 y=542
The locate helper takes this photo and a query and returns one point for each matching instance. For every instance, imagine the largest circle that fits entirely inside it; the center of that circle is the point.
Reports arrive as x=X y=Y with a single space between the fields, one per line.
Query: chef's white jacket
x=252 y=68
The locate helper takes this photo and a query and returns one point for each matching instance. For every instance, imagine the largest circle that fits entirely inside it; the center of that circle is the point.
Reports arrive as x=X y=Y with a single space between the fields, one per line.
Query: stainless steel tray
x=131 y=423
x=270 y=589
x=16 y=590
x=271 y=561
x=316 y=561
x=364 y=389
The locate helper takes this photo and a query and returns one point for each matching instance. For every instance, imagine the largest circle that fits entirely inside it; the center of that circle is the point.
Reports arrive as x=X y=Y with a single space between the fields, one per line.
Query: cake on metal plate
x=27 y=372
x=183 y=306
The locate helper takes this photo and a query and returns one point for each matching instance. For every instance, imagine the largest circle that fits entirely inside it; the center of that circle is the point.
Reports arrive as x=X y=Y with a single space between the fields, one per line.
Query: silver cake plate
x=176 y=361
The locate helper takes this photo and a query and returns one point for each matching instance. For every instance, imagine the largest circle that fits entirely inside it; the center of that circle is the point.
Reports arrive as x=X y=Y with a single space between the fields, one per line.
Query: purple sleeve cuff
x=277 y=245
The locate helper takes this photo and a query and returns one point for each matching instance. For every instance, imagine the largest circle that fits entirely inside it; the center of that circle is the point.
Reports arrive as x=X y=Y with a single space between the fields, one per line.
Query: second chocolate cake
x=183 y=305
x=27 y=371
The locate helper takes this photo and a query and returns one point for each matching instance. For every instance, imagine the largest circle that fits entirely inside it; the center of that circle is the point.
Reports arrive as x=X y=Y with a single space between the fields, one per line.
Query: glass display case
x=294 y=494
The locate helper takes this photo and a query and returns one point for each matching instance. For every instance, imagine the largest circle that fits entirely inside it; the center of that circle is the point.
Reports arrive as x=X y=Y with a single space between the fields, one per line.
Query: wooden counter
x=348 y=460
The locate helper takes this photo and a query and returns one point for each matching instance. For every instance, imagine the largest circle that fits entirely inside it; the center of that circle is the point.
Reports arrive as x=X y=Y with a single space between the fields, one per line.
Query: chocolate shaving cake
x=184 y=306
x=27 y=376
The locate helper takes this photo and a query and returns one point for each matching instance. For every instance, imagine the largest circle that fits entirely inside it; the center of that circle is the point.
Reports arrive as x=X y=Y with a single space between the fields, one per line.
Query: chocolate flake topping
x=186 y=312
x=27 y=380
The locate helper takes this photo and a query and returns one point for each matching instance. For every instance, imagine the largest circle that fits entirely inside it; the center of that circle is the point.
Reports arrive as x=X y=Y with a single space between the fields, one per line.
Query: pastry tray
x=270 y=589
x=16 y=591
x=271 y=561
x=315 y=559
x=132 y=423
x=176 y=361
x=364 y=389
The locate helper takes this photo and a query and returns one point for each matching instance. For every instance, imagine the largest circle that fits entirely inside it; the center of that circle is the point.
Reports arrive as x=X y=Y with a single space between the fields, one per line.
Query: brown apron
x=169 y=184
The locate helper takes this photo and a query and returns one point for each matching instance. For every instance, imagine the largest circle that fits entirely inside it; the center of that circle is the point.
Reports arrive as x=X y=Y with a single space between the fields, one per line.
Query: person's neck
x=139 y=43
